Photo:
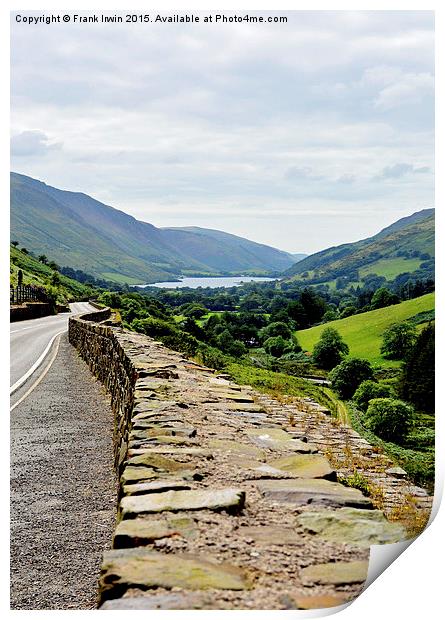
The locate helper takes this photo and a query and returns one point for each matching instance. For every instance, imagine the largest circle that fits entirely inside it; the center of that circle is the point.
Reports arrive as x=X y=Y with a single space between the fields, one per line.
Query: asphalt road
x=63 y=490
x=29 y=339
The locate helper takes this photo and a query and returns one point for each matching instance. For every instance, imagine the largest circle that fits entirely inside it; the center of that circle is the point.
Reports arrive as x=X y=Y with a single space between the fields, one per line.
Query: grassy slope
x=391 y=267
x=362 y=332
x=413 y=234
x=38 y=274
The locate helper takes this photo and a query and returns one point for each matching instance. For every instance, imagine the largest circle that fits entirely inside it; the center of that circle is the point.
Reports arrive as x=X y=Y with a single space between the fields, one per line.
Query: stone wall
x=227 y=498
x=100 y=348
x=31 y=310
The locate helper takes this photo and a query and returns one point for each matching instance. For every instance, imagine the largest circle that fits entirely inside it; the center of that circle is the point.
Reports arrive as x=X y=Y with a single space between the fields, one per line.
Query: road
x=30 y=339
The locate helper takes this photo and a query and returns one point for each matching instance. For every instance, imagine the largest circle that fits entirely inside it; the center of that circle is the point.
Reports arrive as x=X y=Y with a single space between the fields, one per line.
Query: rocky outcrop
x=225 y=500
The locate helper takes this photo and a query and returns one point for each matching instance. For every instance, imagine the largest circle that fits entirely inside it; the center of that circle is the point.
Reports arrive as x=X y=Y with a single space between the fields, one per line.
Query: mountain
x=400 y=248
x=78 y=231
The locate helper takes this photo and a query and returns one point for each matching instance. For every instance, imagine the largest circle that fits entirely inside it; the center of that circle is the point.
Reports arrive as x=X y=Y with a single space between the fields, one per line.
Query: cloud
x=232 y=120
x=296 y=173
x=32 y=143
x=408 y=89
x=400 y=170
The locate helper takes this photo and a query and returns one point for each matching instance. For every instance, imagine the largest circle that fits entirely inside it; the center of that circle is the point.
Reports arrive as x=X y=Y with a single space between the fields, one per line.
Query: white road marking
x=36 y=383
x=36 y=364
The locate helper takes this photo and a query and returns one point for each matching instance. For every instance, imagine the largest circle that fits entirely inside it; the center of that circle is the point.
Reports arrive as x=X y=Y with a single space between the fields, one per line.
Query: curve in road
x=31 y=340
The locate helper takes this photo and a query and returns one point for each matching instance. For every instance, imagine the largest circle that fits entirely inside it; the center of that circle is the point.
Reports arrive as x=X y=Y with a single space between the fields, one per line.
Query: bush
x=167 y=333
x=330 y=349
x=347 y=376
x=398 y=340
x=277 y=346
x=277 y=328
x=388 y=418
x=211 y=357
x=383 y=298
x=369 y=390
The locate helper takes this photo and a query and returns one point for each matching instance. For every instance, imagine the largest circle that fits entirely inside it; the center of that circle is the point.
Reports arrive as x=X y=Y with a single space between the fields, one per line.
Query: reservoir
x=225 y=282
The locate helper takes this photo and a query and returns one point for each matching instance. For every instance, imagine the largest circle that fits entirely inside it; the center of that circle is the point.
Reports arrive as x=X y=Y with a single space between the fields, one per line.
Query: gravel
x=63 y=488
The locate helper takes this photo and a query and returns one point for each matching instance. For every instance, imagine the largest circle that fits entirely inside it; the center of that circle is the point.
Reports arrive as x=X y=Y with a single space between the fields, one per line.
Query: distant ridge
x=78 y=231
x=410 y=237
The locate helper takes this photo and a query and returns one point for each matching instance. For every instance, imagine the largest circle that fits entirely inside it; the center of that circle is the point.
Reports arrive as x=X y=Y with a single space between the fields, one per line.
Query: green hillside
x=363 y=332
x=82 y=233
x=38 y=274
x=404 y=247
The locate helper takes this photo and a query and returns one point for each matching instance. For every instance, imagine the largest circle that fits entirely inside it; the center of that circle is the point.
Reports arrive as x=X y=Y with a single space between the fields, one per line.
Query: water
x=226 y=282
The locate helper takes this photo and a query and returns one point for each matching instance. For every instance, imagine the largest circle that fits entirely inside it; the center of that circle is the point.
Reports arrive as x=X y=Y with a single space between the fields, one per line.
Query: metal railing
x=27 y=292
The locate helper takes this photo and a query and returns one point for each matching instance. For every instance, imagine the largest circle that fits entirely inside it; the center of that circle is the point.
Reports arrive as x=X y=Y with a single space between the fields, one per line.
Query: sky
x=301 y=135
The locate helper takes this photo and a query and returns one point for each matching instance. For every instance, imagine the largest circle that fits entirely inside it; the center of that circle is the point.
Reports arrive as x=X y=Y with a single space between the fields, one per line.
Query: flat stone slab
x=135 y=474
x=158 y=601
x=157 y=486
x=137 y=532
x=157 y=462
x=305 y=466
x=165 y=439
x=316 y=601
x=247 y=407
x=173 y=451
x=153 y=430
x=139 y=568
x=315 y=491
x=277 y=439
x=231 y=500
x=236 y=447
x=336 y=573
x=354 y=526
x=235 y=396
x=270 y=535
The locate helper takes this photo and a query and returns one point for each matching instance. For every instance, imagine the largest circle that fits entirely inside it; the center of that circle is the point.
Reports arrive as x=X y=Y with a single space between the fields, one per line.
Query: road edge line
x=34 y=367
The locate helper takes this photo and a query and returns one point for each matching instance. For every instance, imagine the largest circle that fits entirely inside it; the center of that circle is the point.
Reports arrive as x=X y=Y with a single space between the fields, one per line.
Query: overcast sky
x=300 y=135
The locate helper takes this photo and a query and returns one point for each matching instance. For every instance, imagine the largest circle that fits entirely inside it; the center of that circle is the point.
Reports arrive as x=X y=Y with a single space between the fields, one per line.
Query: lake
x=209 y=282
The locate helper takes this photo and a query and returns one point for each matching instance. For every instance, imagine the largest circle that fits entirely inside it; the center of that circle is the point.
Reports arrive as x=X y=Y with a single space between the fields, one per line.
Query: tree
x=53 y=265
x=398 y=339
x=388 y=418
x=14 y=243
x=347 y=376
x=330 y=349
x=329 y=315
x=227 y=343
x=347 y=311
x=277 y=328
x=43 y=259
x=369 y=390
x=277 y=345
x=383 y=298
x=417 y=382
x=20 y=277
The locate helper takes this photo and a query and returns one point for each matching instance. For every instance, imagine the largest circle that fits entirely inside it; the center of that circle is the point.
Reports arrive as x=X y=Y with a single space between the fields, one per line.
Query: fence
x=19 y=294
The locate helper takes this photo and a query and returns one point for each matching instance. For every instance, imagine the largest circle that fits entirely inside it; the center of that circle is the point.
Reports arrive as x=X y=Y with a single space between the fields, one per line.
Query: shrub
x=211 y=357
x=398 y=340
x=347 y=376
x=330 y=349
x=167 y=333
x=383 y=298
x=388 y=418
x=277 y=346
x=277 y=328
x=370 y=389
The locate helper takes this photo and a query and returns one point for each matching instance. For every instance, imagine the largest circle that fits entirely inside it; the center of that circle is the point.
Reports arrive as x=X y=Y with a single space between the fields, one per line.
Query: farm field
x=363 y=332
x=391 y=267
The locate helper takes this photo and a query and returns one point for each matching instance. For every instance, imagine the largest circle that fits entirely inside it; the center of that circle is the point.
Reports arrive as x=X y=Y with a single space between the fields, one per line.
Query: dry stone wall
x=226 y=501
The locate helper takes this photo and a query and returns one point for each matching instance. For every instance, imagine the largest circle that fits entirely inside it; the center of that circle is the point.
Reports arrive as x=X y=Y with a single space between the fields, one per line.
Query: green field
x=363 y=332
x=391 y=267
